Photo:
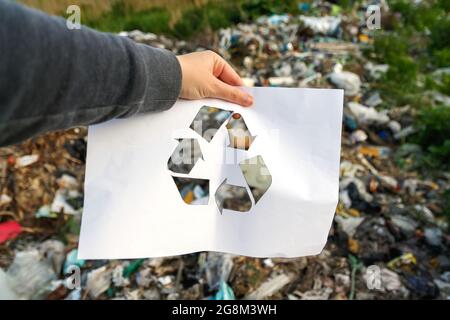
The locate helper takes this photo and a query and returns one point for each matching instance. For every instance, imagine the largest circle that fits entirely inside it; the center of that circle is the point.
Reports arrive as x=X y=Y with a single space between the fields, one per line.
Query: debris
x=348 y=81
x=218 y=267
x=166 y=280
x=391 y=211
x=225 y=292
x=60 y=202
x=29 y=275
x=390 y=280
x=367 y=115
x=327 y=25
x=358 y=136
x=407 y=225
x=45 y=212
x=132 y=267
x=98 y=281
x=53 y=251
x=67 y=181
x=406 y=259
x=118 y=278
x=316 y=294
x=5 y=199
x=144 y=278
x=6 y=292
x=27 y=160
x=72 y=260
x=349 y=225
x=9 y=230
x=433 y=236
x=270 y=287
x=421 y=287
x=377 y=152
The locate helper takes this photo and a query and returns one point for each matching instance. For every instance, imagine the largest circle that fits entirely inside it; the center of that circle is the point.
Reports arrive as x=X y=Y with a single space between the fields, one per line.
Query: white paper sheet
x=133 y=209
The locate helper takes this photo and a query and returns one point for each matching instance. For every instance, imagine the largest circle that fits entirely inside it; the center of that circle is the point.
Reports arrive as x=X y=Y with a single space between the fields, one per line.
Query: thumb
x=224 y=91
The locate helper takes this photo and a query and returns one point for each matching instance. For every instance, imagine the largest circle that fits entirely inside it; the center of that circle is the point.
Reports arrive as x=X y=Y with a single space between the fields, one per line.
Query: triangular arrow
x=240 y=136
x=185 y=156
x=232 y=197
x=208 y=120
x=257 y=176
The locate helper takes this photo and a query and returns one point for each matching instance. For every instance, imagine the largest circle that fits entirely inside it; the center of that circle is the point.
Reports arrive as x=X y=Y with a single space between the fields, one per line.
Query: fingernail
x=248 y=100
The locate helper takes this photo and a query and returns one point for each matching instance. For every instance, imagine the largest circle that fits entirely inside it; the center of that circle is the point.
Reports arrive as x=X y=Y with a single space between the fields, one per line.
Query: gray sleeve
x=55 y=78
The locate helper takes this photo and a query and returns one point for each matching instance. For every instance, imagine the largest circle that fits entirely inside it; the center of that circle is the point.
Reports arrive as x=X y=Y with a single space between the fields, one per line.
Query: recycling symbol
x=195 y=191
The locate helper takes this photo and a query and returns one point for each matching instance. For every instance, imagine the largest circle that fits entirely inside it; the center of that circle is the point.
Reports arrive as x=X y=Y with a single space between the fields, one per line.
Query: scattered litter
x=27 y=160
x=390 y=213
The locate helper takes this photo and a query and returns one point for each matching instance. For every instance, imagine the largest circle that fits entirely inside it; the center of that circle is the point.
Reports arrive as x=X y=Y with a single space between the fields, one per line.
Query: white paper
x=133 y=209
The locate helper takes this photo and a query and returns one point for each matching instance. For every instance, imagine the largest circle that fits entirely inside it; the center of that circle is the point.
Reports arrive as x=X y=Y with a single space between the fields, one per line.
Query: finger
x=224 y=91
x=225 y=72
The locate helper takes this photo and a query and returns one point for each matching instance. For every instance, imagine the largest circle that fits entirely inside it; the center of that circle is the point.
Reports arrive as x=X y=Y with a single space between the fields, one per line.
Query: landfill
x=389 y=239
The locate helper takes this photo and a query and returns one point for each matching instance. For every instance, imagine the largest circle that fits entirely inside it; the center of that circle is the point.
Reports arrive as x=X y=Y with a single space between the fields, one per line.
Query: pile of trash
x=389 y=238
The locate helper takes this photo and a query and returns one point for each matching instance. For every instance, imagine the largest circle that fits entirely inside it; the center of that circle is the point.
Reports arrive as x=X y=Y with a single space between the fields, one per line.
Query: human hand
x=207 y=75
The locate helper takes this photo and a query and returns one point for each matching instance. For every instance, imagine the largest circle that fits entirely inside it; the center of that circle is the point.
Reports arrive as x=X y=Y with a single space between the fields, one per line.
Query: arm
x=54 y=78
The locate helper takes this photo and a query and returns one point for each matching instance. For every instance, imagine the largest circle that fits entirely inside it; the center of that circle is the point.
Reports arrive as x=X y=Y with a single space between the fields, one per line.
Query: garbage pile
x=389 y=238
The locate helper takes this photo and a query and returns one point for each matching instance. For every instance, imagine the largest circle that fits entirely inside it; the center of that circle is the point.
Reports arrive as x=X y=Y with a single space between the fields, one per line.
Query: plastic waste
x=327 y=25
x=374 y=151
x=270 y=287
x=72 y=260
x=348 y=81
x=30 y=275
x=60 y=202
x=5 y=199
x=407 y=225
x=358 y=136
x=9 y=230
x=218 y=267
x=433 y=236
x=117 y=277
x=6 y=292
x=45 y=212
x=27 y=160
x=53 y=251
x=366 y=115
x=349 y=224
x=225 y=292
x=98 y=281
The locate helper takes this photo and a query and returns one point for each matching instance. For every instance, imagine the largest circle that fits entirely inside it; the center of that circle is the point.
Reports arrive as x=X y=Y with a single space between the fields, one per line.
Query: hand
x=207 y=75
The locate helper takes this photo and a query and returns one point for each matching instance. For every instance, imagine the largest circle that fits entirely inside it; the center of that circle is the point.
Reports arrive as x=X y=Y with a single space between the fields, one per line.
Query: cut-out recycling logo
x=195 y=191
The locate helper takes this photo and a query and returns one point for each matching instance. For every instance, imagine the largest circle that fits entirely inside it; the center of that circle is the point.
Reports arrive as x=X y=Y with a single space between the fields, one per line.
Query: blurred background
x=390 y=236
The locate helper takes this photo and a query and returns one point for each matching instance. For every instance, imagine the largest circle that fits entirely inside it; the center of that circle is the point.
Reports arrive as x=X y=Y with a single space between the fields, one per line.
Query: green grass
x=121 y=18
x=418 y=44
x=194 y=19
x=434 y=135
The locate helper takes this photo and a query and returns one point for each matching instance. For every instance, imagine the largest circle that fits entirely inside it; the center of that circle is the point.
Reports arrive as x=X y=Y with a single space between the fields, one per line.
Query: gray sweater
x=55 y=78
